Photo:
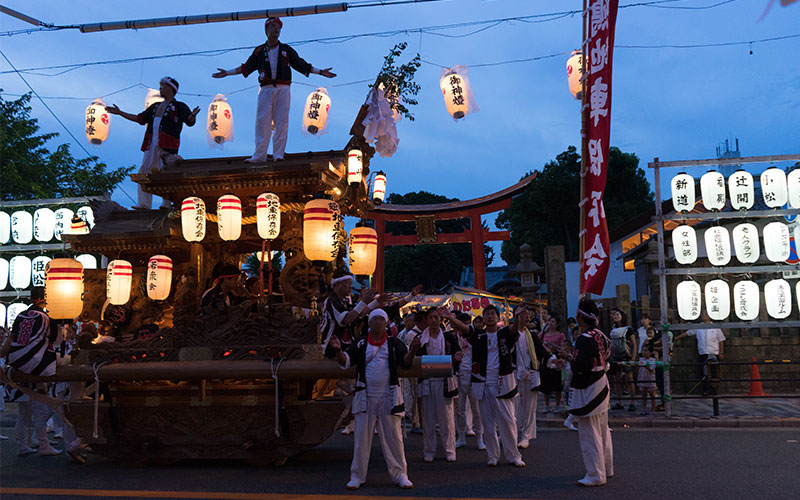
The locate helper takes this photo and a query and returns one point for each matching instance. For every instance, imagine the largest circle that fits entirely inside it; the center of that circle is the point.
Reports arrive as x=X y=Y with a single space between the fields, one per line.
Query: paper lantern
x=455 y=89
x=13 y=311
x=38 y=270
x=4 y=270
x=119 y=276
x=712 y=190
x=575 y=73
x=745 y=242
x=44 y=224
x=19 y=274
x=159 y=277
x=684 y=244
x=363 y=251
x=315 y=113
x=229 y=217
x=776 y=242
x=778 y=297
x=153 y=96
x=355 y=166
x=219 y=127
x=63 y=222
x=746 y=300
x=718 y=245
x=64 y=288
x=87 y=214
x=2 y=316
x=78 y=226
x=5 y=228
x=718 y=300
x=88 y=261
x=268 y=215
x=683 y=192
x=773 y=187
x=793 y=188
x=379 y=188
x=740 y=185
x=193 y=219
x=320 y=230
x=688 y=296
x=98 y=121
x=22 y=227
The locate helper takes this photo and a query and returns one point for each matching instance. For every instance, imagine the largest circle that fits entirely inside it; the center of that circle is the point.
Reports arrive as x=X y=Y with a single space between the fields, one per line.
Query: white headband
x=341 y=278
x=379 y=312
x=169 y=82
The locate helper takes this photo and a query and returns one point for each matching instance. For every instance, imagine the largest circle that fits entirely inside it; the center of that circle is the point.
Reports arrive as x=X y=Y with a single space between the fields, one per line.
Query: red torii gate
x=425 y=217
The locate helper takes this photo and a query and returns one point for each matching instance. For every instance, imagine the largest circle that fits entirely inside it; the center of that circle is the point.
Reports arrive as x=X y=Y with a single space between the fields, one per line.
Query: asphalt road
x=686 y=464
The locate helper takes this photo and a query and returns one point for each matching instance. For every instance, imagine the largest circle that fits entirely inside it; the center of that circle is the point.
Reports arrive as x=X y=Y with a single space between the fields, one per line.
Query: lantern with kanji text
x=38 y=267
x=219 y=127
x=119 y=276
x=745 y=243
x=684 y=244
x=746 y=300
x=13 y=311
x=22 y=227
x=44 y=224
x=777 y=245
x=456 y=92
x=575 y=73
x=315 y=112
x=98 y=121
x=63 y=222
x=740 y=186
x=688 y=296
x=683 y=196
x=379 y=188
x=64 y=288
x=718 y=299
x=773 y=187
x=363 y=250
x=321 y=230
x=712 y=190
x=229 y=217
x=268 y=215
x=159 y=277
x=20 y=272
x=778 y=297
x=193 y=219
x=87 y=214
x=355 y=166
x=718 y=245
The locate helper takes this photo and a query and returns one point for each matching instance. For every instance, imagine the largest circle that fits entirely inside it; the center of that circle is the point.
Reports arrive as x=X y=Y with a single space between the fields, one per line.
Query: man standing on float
x=274 y=62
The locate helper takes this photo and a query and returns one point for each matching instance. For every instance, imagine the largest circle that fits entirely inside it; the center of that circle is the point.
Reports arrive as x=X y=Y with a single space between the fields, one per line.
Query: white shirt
x=642 y=337
x=492 y=360
x=523 y=355
x=436 y=345
x=377 y=370
x=708 y=340
x=272 y=55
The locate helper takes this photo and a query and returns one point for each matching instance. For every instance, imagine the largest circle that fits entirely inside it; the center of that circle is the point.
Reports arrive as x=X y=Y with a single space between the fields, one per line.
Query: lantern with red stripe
x=98 y=121
x=229 y=217
x=575 y=73
x=363 y=250
x=78 y=226
x=159 y=277
x=321 y=230
x=63 y=288
x=193 y=219
x=379 y=188
x=268 y=215
x=118 y=282
x=355 y=166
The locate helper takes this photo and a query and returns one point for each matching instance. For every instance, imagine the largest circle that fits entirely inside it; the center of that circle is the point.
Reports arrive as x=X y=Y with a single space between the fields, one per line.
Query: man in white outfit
x=465 y=396
x=527 y=376
x=274 y=62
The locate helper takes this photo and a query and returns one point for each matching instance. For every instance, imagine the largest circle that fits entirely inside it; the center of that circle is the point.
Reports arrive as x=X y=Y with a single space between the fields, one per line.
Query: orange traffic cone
x=755 y=381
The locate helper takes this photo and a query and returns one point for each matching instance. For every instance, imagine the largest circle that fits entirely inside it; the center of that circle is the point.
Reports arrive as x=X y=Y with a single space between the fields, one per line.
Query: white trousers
x=410 y=400
x=499 y=414
x=437 y=409
x=391 y=445
x=598 y=454
x=526 y=410
x=151 y=161
x=273 y=106
x=465 y=398
x=24 y=414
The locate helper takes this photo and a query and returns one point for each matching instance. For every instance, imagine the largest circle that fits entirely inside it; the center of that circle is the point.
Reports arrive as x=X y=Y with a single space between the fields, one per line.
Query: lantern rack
x=737 y=214
x=734 y=324
x=777 y=268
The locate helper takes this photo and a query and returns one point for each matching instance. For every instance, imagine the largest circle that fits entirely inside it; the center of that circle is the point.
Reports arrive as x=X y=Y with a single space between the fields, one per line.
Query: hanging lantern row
x=777 y=243
x=746 y=299
x=229 y=217
x=21 y=272
x=44 y=224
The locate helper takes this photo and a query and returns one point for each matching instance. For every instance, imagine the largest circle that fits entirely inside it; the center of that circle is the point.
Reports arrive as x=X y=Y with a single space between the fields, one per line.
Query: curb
x=687 y=422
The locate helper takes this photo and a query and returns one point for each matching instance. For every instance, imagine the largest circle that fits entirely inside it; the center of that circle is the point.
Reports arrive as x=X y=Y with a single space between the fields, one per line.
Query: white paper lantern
x=98 y=121
x=219 y=126
x=773 y=187
x=268 y=215
x=153 y=96
x=776 y=242
x=363 y=250
x=574 y=74
x=718 y=300
x=688 y=296
x=20 y=272
x=229 y=217
x=38 y=270
x=64 y=288
x=683 y=196
x=13 y=311
x=684 y=244
x=778 y=297
x=193 y=219
x=87 y=260
x=379 y=188
x=793 y=188
x=22 y=227
x=746 y=300
x=315 y=112
x=454 y=89
x=355 y=166
x=78 y=226
x=718 y=245
x=87 y=214
x=159 y=277
x=2 y=315
x=745 y=242
x=63 y=222
x=740 y=185
x=119 y=276
x=320 y=230
x=5 y=228
x=44 y=224
x=4 y=270
x=712 y=190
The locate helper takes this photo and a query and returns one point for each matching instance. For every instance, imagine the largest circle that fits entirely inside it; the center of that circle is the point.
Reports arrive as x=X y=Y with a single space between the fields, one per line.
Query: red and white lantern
x=321 y=230
x=64 y=288
x=718 y=245
x=355 y=166
x=219 y=127
x=746 y=300
x=778 y=297
x=268 y=215
x=773 y=187
x=159 y=277
x=229 y=217
x=740 y=185
x=363 y=250
x=688 y=296
x=193 y=219
x=575 y=73
x=98 y=121
x=776 y=242
x=683 y=196
x=718 y=300
x=119 y=276
x=745 y=242
x=78 y=226
x=379 y=188
x=712 y=190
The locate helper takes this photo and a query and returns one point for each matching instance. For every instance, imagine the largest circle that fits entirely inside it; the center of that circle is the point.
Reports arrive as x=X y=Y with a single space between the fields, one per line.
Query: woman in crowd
x=552 y=337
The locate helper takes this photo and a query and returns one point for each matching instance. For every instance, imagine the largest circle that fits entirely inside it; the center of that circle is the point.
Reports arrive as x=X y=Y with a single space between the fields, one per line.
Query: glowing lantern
x=773 y=187
x=153 y=96
x=119 y=276
x=363 y=250
x=746 y=300
x=776 y=241
x=684 y=244
x=793 y=186
x=159 y=277
x=193 y=219
x=78 y=226
x=97 y=122
x=13 y=311
x=3 y=273
x=315 y=113
x=63 y=288
x=379 y=188
x=219 y=127
x=688 y=295
x=740 y=185
x=44 y=224
x=718 y=299
x=229 y=217
x=87 y=214
x=321 y=230
x=712 y=190
x=20 y=272
x=38 y=267
x=745 y=242
x=575 y=73
x=268 y=215
x=355 y=165
x=22 y=227
x=456 y=91
x=778 y=297
x=683 y=192
x=718 y=245
x=63 y=222
x=87 y=261
x=5 y=228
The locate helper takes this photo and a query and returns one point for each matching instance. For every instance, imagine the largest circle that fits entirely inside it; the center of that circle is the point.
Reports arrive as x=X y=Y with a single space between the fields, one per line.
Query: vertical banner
x=599 y=45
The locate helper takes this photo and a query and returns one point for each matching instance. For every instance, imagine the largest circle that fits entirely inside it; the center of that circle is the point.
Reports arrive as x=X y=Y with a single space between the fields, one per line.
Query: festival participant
x=378 y=400
x=529 y=353
x=552 y=338
x=624 y=348
x=274 y=62
x=162 y=138
x=221 y=296
x=409 y=385
x=465 y=396
x=494 y=383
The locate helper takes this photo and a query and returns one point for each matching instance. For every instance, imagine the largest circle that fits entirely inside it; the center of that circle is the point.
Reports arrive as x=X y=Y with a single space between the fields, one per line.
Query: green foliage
x=252 y=264
x=547 y=212
x=28 y=170
x=398 y=82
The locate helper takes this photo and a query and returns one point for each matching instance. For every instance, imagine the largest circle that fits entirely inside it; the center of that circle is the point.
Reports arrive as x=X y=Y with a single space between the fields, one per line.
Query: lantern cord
x=275 y=369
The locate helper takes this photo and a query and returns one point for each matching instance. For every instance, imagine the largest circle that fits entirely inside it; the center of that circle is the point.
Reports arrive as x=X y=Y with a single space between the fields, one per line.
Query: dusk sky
x=671 y=103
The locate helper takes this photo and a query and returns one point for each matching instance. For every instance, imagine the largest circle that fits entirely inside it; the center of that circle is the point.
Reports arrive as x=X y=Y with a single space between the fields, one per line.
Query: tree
x=398 y=81
x=28 y=170
x=547 y=212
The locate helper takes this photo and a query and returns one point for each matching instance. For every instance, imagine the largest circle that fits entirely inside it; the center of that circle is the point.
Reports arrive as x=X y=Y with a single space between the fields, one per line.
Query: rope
x=275 y=369
x=95 y=369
